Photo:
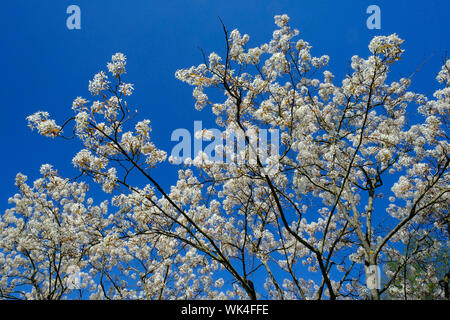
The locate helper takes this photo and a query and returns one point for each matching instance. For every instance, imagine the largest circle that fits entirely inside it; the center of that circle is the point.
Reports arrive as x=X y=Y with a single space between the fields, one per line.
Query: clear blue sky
x=45 y=65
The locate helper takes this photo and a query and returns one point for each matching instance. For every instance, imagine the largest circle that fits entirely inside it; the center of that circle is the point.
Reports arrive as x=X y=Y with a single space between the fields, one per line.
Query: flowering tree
x=316 y=225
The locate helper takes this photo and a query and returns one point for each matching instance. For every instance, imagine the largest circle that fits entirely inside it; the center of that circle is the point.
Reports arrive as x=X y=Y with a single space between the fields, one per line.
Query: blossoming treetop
x=310 y=229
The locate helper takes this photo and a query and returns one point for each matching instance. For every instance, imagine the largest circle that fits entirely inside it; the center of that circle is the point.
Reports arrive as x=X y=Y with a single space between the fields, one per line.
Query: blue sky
x=46 y=65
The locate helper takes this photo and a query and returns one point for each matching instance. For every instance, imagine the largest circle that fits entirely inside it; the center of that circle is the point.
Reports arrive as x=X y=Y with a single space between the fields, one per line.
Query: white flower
x=386 y=45
x=126 y=89
x=444 y=75
x=45 y=126
x=200 y=97
x=82 y=121
x=117 y=66
x=143 y=128
x=281 y=20
x=99 y=83
x=206 y=135
x=78 y=104
x=110 y=180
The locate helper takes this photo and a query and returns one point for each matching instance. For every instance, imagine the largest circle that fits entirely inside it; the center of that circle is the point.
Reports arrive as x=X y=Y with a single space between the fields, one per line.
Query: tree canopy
x=349 y=184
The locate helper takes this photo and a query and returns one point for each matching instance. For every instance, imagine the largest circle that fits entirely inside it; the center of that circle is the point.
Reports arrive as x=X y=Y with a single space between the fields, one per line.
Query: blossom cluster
x=308 y=229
